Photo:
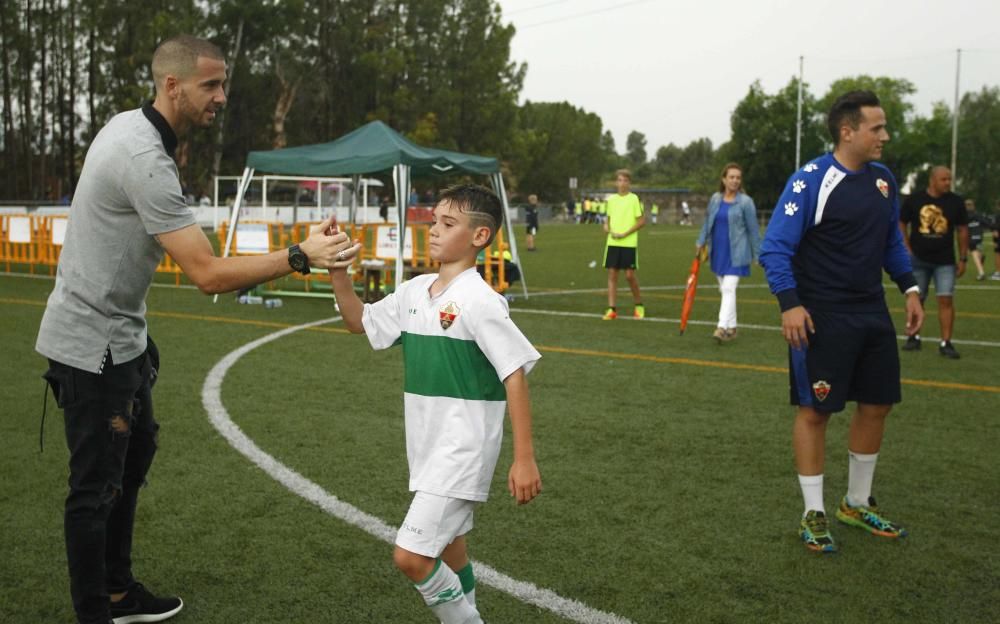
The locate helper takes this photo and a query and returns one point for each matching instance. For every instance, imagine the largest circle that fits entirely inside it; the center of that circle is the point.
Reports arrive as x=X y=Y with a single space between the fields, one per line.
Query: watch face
x=297 y=259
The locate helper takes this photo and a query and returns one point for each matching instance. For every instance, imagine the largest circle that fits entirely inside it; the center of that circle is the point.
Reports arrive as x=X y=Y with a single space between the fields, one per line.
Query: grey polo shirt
x=129 y=191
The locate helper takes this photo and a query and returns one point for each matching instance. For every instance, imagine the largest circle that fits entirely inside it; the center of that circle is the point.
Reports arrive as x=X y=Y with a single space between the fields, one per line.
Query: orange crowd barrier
x=22 y=240
x=38 y=240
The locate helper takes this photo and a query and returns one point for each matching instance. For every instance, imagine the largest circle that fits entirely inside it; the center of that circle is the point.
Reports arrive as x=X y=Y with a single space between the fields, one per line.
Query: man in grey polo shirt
x=127 y=210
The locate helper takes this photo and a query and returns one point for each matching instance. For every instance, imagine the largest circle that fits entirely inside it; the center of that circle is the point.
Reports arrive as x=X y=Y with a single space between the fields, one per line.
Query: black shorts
x=532 y=227
x=621 y=257
x=851 y=357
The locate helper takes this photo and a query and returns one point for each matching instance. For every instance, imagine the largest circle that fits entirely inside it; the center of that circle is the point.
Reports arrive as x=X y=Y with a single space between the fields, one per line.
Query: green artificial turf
x=669 y=488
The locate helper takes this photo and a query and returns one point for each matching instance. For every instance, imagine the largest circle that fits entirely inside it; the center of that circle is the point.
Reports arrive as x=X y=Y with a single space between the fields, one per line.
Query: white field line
x=890 y=288
x=930 y=340
x=211 y=397
x=543 y=293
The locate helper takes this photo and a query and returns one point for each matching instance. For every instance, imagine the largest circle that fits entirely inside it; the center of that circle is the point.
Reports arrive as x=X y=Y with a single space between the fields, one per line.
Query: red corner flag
x=692 y=287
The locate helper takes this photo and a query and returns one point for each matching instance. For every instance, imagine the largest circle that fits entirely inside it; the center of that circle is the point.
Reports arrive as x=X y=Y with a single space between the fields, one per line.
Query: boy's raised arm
x=524 y=481
x=350 y=305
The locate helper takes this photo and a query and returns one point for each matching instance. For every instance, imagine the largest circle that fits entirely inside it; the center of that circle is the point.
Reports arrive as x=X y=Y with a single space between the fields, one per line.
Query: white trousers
x=727 y=309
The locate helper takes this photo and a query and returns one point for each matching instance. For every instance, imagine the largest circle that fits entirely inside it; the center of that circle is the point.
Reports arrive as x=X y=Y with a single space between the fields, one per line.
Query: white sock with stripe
x=442 y=592
x=860 y=473
x=812 y=492
x=468 y=580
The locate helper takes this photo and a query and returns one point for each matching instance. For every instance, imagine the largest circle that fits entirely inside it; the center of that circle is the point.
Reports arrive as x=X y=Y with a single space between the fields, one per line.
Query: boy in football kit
x=621 y=250
x=464 y=362
x=833 y=231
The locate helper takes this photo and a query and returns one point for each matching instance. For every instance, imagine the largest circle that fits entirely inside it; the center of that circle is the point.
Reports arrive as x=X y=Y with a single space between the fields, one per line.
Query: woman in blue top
x=732 y=234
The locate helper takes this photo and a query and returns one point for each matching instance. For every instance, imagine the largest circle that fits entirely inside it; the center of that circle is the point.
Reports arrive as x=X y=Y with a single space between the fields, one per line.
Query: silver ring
x=341 y=255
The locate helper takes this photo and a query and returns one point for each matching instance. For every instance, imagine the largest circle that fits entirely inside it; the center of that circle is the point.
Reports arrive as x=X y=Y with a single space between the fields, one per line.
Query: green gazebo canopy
x=371 y=148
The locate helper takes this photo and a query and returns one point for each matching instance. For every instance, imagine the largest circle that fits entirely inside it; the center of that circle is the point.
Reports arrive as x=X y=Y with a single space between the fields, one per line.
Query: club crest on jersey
x=883 y=186
x=821 y=389
x=448 y=314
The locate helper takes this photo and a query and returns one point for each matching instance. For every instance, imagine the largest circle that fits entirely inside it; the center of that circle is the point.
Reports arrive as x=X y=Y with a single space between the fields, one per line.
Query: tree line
x=300 y=71
x=440 y=71
x=763 y=134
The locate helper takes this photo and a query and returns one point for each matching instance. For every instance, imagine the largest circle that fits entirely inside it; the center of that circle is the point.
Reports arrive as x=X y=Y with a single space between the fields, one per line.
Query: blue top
x=722 y=260
x=744 y=237
x=832 y=233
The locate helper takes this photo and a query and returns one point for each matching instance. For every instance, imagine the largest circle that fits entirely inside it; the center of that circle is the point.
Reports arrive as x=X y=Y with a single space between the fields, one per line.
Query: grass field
x=670 y=492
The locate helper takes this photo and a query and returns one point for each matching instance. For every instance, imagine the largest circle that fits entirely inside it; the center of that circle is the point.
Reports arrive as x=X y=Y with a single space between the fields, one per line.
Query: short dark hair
x=178 y=55
x=481 y=204
x=847 y=108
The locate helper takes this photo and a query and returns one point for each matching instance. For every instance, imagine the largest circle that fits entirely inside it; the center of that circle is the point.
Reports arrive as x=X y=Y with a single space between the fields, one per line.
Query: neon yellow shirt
x=623 y=213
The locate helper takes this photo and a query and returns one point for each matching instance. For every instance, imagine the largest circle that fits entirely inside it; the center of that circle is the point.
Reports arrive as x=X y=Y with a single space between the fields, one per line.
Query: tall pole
x=954 y=117
x=798 y=122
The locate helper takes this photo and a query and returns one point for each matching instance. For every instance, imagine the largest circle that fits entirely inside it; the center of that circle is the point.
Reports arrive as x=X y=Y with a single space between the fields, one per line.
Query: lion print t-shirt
x=932 y=222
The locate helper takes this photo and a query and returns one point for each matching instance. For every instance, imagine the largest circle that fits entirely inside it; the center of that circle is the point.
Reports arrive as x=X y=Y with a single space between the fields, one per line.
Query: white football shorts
x=433 y=522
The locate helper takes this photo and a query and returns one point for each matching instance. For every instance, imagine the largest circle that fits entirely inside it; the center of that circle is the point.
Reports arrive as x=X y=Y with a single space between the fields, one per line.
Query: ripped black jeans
x=111 y=435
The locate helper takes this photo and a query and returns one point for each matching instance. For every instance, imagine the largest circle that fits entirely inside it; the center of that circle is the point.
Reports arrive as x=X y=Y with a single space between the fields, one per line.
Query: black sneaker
x=139 y=605
x=912 y=344
x=948 y=351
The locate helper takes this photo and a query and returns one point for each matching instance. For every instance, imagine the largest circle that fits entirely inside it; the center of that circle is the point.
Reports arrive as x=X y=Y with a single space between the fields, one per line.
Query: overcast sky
x=675 y=70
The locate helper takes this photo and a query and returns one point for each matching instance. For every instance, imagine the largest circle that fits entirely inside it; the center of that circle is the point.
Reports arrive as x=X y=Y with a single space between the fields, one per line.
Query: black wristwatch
x=298 y=260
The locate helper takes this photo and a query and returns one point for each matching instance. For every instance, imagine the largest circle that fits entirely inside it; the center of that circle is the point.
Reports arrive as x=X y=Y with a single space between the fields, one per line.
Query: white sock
x=860 y=471
x=812 y=492
x=442 y=592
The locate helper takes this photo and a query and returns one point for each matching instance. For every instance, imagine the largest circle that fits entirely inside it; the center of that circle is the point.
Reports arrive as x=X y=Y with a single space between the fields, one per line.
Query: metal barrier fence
x=35 y=241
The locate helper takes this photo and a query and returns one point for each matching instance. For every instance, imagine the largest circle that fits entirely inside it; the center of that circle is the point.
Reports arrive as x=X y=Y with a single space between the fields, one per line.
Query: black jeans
x=111 y=435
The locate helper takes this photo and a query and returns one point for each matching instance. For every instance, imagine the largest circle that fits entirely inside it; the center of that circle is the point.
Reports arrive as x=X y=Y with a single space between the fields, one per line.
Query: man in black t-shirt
x=933 y=216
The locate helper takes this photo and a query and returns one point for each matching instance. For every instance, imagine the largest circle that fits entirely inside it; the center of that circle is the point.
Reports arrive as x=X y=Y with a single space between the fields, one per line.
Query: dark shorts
x=621 y=257
x=851 y=357
x=532 y=227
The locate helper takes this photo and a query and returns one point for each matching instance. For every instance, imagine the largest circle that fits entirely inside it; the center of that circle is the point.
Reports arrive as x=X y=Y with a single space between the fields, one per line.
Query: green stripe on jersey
x=449 y=367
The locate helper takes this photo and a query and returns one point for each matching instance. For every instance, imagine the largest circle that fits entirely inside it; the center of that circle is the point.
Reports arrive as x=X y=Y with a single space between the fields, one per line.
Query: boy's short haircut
x=624 y=172
x=480 y=203
x=847 y=108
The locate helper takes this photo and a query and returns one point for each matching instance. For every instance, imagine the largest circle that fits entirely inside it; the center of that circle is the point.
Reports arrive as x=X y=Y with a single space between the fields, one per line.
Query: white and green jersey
x=458 y=347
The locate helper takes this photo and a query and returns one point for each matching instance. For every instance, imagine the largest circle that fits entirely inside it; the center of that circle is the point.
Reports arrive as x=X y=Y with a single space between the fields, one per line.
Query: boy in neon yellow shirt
x=624 y=220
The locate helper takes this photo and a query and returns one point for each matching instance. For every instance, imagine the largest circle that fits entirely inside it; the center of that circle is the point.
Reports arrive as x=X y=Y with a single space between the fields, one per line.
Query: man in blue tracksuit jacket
x=833 y=231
